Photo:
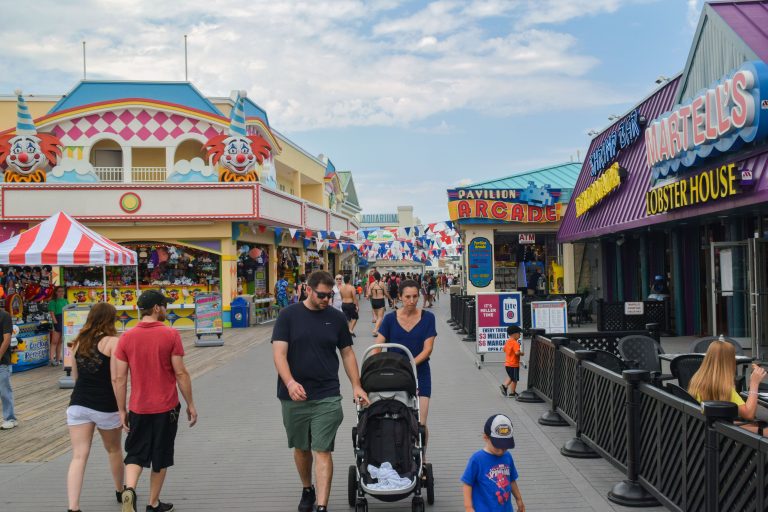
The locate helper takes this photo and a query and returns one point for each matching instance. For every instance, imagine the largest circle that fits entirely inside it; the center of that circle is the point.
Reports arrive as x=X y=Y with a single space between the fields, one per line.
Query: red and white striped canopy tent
x=61 y=240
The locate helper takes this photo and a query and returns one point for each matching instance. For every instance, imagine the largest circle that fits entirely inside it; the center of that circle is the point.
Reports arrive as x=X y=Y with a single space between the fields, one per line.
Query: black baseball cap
x=514 y=329
x=150 y=299
x=499 y=428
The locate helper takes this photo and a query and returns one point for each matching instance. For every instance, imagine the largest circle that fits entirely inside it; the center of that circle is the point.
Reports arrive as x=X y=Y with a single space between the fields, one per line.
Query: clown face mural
x=25 y=154
x=237 y=153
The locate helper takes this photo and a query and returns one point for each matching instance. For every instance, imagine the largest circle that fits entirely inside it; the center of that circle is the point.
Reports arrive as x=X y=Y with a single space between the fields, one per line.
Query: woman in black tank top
x=93 y=404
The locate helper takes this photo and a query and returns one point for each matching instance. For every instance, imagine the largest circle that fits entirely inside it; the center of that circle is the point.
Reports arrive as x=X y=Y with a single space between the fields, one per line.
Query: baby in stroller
x=388 y=440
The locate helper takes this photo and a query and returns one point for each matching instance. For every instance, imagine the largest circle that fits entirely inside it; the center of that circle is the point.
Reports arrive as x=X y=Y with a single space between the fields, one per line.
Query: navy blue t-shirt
x=491 y=478
x=313 y=338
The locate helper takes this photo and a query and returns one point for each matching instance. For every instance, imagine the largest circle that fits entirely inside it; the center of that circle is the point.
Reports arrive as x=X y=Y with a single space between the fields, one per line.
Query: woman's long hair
x=715 y=378
x=100 y=322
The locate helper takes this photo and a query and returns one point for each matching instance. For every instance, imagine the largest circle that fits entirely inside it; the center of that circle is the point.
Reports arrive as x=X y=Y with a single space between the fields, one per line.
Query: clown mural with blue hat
x=237 y=153
x=25 y=154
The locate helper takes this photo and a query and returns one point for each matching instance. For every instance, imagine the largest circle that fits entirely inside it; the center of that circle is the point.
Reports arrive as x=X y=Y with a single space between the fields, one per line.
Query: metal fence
x=611 y=317
x=671 y=452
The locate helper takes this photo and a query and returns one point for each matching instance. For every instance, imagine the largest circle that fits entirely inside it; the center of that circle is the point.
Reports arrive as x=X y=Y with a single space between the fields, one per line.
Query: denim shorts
x=79 y=415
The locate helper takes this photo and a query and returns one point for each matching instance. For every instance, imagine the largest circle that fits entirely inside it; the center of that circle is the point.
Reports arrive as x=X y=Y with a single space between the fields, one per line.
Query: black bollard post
x=452 y=320
x=714 y=411
x=471 y=322
x=528 y=396
x=552 y=418
x=576 y=447
x=629 y=492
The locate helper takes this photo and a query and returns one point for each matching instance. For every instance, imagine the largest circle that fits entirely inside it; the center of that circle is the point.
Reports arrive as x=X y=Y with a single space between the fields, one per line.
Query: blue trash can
x=240 y=312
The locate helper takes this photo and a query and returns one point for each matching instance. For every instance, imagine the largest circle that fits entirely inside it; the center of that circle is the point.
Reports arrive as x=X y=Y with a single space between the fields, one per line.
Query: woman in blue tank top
x=415 y=329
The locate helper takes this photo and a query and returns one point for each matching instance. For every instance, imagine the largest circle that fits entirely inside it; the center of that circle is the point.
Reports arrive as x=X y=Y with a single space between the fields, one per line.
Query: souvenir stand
x=59 y=240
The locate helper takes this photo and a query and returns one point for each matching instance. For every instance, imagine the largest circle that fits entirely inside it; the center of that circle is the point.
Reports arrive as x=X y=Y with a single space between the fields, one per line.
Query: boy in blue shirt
x=490 y=479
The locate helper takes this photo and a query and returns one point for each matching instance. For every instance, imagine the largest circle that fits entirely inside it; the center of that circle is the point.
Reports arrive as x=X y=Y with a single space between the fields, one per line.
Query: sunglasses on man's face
x=324 y=295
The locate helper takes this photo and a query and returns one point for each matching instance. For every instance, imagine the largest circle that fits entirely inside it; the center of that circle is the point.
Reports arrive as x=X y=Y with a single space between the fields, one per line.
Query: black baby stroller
x=388 y=434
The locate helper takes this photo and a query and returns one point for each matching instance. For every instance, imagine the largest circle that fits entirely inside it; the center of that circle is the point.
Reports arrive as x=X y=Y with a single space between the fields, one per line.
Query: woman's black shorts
x=59 y=323
x=513 y=372
x=377 y=303
x=151 y=439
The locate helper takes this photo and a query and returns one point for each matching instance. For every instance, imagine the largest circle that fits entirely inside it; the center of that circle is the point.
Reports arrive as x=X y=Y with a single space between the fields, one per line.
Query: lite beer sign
x=731 y=113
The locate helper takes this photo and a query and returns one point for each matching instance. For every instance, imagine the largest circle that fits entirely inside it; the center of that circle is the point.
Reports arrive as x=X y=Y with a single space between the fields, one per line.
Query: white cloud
x=184 y=167
x=323 y=63
x=694 y=9
x=81 y=167
x=464 y=182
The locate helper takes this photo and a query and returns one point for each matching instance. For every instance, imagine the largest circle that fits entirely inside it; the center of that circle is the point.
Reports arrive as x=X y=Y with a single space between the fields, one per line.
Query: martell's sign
x=710 y=185
x=600 y=188
x=720 y=119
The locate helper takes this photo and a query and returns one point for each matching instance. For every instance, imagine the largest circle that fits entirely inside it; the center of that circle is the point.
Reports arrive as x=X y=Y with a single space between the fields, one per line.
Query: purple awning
x=626 y=204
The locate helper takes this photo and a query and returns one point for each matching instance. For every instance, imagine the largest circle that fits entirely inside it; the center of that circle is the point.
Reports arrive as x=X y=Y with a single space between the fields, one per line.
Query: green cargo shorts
x=312 y=424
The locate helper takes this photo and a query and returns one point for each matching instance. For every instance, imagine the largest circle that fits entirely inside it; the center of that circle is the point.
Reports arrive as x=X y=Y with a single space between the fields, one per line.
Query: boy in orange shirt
x=513 y=348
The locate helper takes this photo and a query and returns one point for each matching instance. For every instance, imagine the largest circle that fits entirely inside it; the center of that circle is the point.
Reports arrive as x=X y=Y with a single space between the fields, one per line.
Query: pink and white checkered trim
x=132 y=125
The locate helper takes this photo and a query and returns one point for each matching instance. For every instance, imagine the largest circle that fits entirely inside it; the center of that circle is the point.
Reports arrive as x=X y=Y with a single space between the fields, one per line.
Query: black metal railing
x=671 y=452
x=611 y=317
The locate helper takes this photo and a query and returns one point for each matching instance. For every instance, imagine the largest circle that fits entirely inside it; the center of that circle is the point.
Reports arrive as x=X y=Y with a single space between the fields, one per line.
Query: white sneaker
x=9 y=424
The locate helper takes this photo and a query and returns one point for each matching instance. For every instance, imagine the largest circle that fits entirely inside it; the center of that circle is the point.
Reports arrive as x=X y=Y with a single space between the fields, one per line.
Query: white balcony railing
x=138 y=174
x=109 y=174
x=149 y=174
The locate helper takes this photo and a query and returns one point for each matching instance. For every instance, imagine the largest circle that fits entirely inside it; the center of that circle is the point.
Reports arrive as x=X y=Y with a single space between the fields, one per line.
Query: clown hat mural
x=237 y=153
x=25 y=154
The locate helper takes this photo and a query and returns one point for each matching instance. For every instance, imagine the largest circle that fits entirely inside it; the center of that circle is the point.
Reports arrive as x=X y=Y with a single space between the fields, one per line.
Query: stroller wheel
x=352 y=486
x=430 y=483
x=417 y=505
x=361 y=505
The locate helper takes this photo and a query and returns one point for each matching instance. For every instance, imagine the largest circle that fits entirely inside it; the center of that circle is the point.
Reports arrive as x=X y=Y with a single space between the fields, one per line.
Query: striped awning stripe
x=61 y=240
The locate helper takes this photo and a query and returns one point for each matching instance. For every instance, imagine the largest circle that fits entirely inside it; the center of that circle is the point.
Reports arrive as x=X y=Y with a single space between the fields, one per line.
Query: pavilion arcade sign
x=719 y=119
x=530 y=205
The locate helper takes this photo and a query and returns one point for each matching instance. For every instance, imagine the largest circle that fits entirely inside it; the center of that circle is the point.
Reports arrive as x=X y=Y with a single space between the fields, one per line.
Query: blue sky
x=413 y=97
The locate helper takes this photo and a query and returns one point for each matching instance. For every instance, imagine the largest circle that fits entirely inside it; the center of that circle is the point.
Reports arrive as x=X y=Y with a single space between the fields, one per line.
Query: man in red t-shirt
x=154 y=355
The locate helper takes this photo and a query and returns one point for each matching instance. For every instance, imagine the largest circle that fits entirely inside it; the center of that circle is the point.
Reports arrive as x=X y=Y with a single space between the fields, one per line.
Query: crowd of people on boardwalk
x=305 y=340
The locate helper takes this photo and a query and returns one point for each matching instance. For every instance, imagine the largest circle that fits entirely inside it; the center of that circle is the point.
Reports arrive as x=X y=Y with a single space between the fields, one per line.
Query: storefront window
x=25 y=292
x=253 y=270
x=314 y=262
x=180 y=272
x=288 y=266
x=521 y=262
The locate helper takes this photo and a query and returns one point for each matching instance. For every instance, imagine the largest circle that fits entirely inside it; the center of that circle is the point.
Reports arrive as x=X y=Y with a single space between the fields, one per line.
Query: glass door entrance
x=758 y=289
x=730 y=291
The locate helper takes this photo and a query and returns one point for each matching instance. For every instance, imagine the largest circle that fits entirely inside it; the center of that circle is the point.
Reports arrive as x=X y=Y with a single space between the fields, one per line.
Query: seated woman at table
x=716 y=377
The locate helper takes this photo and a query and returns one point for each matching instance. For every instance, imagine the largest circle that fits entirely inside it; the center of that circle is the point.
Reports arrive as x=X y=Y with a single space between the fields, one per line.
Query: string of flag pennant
x=421 y=243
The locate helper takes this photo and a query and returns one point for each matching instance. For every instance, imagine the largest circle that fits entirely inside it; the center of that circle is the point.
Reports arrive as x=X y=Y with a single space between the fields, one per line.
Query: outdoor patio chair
x=684 y=367
x=574 y=311
x=644 y=351
x=586 y=309
x=680 y=392
x=610 y=361
x=700 y=346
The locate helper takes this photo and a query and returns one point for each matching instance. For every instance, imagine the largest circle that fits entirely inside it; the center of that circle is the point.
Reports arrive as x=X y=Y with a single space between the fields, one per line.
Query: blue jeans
x=6 y=393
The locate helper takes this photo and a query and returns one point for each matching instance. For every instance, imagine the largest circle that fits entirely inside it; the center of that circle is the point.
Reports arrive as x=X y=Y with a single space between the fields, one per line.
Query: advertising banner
x=208 y=316
x=480 y=254
x=495 y=312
